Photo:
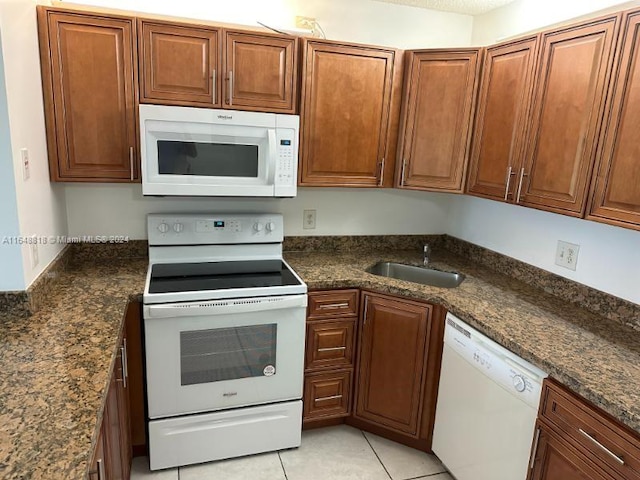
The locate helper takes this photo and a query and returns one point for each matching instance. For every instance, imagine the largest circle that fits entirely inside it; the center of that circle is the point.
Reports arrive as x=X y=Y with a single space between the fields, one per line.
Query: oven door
x=202 y=152
x=206 y=356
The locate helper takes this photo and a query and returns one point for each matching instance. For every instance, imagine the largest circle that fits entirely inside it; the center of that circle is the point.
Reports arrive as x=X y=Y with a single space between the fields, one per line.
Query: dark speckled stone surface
x=56 y=363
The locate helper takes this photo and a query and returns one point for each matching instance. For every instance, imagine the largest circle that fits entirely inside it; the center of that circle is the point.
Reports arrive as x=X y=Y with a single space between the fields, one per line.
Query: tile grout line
x=284 y=470
x=376 y=454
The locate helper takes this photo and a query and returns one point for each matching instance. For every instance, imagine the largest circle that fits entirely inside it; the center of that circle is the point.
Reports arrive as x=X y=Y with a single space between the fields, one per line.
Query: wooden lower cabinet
x=576 y=440
x=97 y=469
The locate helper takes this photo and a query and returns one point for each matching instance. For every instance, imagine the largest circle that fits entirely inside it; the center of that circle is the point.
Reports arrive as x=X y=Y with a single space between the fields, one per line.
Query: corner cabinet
x=399 y=354
x=576 y=441
x=568 y=104
x=347 y=114
x=438 y=108
x=503 y=106
x=616 y=186
x=89 y=85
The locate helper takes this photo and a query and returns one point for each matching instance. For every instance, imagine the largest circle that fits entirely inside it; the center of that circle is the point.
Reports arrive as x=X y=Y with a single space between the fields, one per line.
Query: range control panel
x=214 y=229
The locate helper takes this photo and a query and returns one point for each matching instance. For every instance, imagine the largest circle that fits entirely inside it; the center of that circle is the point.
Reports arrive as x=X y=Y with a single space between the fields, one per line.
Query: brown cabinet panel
x=503 y=107
x=568 y=104
x=330 y=343
x=88 y=65
x=135 y=377
x=327 y=395
x=333 y=303
x=260 y=72
x=97 y=469
x=179 y=64
x=346 y=98
x=437 y=117
x=557 y=460
x=616 y=195
x=392 y=362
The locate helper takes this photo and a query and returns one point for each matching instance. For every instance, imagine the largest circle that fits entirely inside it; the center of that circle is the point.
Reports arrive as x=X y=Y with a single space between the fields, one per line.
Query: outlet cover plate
x=309 y=219
x=567 y=255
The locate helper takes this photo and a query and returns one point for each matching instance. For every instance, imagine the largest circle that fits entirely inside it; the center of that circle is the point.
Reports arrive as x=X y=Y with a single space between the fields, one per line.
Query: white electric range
x=224 y=326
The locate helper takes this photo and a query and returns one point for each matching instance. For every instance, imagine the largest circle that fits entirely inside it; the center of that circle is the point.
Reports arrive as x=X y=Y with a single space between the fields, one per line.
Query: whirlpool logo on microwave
x=225 y=117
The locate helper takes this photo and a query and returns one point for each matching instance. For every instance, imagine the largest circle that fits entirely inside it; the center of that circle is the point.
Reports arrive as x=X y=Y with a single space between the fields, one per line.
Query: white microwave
x=206 y=152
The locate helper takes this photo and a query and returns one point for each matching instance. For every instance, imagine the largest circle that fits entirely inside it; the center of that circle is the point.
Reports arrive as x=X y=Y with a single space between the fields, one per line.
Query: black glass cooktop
x=192 y=277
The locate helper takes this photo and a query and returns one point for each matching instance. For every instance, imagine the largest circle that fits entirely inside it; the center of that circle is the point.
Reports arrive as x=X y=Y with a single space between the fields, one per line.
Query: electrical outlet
x=33 y=247
x=309 y=219
x=306 y=23
x=567 y=254
x=26 y=173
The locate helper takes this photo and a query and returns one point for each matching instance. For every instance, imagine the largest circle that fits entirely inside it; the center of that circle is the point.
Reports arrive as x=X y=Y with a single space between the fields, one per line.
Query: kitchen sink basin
x=422 y=275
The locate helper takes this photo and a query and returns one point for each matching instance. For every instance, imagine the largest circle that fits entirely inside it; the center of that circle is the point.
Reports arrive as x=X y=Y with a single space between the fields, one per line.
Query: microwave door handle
x=273 y=156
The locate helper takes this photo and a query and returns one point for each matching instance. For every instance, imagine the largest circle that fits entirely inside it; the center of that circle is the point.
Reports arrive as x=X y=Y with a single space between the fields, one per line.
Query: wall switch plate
x=567 y=254
x=309 y=219
x=33 y=247
x=24 y=154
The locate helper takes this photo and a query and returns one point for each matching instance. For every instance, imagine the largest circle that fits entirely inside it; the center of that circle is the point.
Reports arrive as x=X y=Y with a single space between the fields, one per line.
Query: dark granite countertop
x=56 y=363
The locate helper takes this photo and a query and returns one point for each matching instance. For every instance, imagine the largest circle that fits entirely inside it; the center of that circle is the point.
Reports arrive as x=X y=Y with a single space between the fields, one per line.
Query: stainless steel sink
x=424 y=276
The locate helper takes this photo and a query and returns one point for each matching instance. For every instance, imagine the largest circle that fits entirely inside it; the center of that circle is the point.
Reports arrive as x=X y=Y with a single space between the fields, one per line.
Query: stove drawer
x=333 y=303
x=330 y=343
x=327 y=395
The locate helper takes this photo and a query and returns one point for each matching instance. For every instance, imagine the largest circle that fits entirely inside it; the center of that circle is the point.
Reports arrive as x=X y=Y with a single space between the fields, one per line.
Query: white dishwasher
x=487 y=406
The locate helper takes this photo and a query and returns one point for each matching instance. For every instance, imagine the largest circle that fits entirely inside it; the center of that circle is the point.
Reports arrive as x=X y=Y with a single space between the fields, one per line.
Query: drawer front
x=337 y=303
x=615 y=449
x=327 y=395
x=330 y=343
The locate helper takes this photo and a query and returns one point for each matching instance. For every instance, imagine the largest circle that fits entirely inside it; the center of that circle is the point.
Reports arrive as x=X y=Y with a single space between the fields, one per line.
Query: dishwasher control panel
x=517 y=376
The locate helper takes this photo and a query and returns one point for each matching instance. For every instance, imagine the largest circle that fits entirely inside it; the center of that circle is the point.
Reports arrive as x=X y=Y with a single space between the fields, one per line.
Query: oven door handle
x=224 y=307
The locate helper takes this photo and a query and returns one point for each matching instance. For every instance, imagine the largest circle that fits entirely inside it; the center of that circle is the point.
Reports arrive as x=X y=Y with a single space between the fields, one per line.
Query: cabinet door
x=555 y=459
x=179 y=64
x=503 y=107
x=437 y=116
x=260 y=72
x=88 y=65
x=112 y=427
x=346 y=97
x=616 y=196
x=392 y=362
x=124 y=420
x=97 y=469
x=135 y=379
x=568 y=103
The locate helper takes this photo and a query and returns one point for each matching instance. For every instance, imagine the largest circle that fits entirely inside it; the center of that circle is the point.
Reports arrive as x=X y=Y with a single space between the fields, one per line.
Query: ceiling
x=467 y=7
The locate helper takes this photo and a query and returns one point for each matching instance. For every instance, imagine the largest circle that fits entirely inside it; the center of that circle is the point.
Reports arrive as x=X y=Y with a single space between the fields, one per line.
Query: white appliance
x=206 y=152
x=224 y=325
x=487 y=406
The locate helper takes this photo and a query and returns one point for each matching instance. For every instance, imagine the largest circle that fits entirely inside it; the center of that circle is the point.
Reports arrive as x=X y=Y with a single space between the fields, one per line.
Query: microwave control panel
x=287 y=146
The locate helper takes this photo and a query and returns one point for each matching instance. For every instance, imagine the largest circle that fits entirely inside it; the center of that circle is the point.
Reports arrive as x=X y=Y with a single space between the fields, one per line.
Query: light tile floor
x=332 y=453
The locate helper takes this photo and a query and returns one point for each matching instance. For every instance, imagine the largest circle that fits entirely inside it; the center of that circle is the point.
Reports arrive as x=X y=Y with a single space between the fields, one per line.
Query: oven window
x=227 y=353
x=207 y=159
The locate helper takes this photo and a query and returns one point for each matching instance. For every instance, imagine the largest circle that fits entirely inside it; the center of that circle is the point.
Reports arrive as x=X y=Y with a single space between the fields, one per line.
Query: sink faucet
x=426 y=252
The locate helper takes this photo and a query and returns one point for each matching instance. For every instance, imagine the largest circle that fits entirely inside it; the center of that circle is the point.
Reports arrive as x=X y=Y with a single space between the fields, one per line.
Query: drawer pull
x=332 y=397
x=606 y=450
x=331 y=349
x=334 y=305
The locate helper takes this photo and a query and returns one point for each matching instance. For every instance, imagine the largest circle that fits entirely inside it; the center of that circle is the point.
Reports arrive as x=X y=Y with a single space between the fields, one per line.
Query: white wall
x=120 y=210
x=41 y=205
x=526 y=15
x=608 y=260
x=11 y=274
x=362 y=21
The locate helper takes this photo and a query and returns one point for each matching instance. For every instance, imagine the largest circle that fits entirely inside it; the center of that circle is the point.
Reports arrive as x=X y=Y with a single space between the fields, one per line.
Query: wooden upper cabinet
x=88 y=74
x=346 y=104
x=179 y=64
x=503 y=106
x=392 y=365
x=437 y=115
x=260 y=72
x=616 y=189
x=572 y=79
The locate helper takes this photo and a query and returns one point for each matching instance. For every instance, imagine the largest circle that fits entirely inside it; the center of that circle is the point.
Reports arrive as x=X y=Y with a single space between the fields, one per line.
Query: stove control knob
x=163 y=228
x=178 y=227
x=270 y=226
x=519 y=383
x=258 y=227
